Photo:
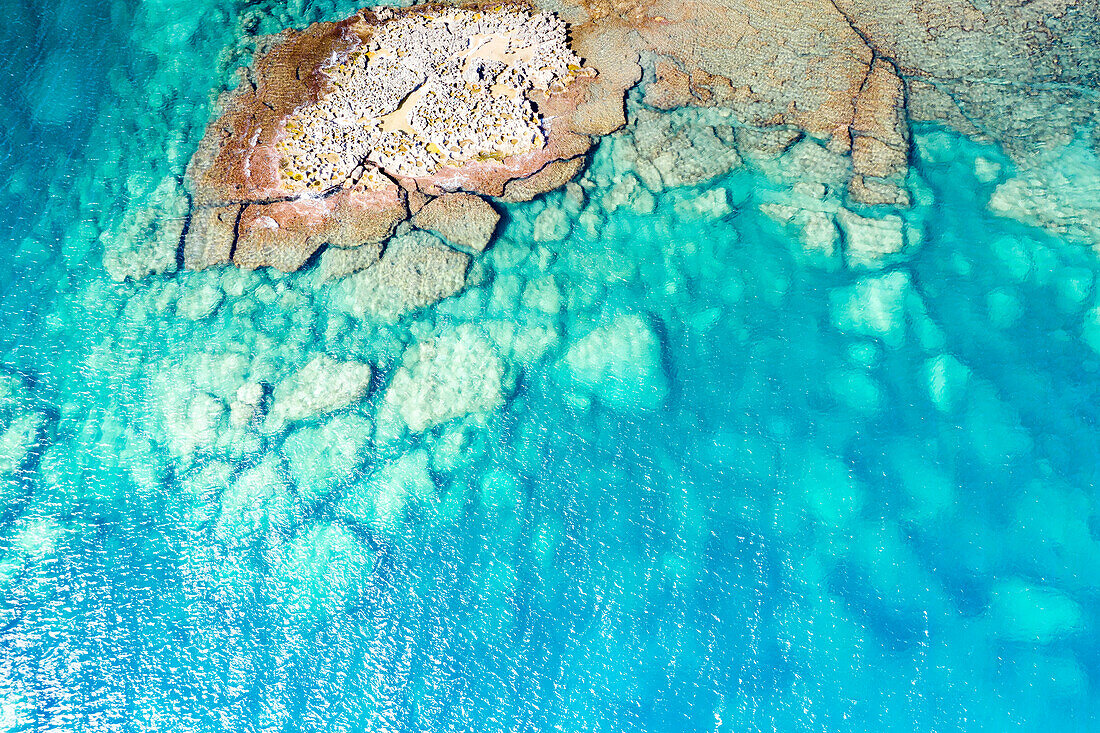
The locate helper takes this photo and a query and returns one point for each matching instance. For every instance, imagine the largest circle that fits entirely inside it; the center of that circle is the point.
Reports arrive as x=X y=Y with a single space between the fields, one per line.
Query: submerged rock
x=382 y=501
x=449 y=376
x=551 y=225
x=677 y=149
x=17 y=439
x=322 y=570
x=619 y=364
x=257 y=506
x=872 y=243
x=416 y=270
x=324 y=457
x=1060 y=192
x=146 y=239
x=338 y=262
x=460 y=218
x=1030 y=612
x=874 y=307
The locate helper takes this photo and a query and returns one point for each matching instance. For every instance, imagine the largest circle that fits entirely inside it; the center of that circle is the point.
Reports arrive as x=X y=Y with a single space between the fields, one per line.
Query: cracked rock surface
x=851 y=75
x=340 y=132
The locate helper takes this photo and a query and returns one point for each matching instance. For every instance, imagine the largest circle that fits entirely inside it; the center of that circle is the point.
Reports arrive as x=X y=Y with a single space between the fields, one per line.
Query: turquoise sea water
x=733 y=485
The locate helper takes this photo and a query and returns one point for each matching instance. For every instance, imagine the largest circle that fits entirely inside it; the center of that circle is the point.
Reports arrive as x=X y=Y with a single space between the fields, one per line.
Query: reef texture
x=340 y=131
x=855 y=73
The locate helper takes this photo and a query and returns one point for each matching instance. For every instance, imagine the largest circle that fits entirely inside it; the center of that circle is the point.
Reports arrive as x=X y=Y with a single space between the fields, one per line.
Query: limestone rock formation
x=337 y=129
x=341 y=131
x=855 y=73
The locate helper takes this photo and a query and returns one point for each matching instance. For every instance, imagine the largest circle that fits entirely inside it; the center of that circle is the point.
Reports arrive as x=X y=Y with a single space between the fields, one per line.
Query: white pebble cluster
x=431 y=87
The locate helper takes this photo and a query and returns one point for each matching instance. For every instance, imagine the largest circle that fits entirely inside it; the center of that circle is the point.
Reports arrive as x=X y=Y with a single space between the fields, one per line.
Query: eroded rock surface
x=340 y=132
x=460 y=218
x=337 y=129
x=853 y=74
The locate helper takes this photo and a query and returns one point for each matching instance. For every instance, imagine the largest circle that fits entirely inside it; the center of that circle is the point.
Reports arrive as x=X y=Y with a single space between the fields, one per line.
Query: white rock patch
x=432 y=87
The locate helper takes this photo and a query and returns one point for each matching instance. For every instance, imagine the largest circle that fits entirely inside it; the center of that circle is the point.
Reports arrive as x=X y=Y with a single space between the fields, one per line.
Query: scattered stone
x=460 y=218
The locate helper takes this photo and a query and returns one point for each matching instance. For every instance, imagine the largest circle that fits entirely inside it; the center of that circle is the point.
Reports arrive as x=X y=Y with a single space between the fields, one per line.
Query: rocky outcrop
x=460 y=218
x=337 y=129
x=855 y=73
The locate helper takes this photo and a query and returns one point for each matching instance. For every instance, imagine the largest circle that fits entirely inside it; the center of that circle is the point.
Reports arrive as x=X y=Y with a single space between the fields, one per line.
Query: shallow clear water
x=779 y=495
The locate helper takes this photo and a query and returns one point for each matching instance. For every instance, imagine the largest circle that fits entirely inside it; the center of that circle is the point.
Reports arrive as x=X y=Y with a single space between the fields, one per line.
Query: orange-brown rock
x=239 y=160
x=285 y=234
x=236 y=160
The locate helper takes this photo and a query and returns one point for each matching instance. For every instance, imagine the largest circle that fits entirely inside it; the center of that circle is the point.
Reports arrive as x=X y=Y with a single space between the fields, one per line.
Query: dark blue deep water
x=729 y=484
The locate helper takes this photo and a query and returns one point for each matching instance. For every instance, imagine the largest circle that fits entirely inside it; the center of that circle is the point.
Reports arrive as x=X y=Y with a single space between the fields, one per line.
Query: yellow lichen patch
x=503 y=90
